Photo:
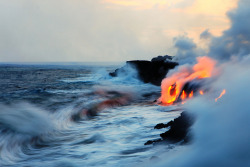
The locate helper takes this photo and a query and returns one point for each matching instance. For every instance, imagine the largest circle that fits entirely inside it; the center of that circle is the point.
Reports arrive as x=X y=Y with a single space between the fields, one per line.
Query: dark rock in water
x=179 y=128
x=162 y=125
x=178 y=131
x=149 y=71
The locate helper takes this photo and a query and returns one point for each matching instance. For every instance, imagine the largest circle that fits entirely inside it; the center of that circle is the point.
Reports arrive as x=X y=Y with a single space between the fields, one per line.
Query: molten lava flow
x=222 y=93
x=191 y=94
x=183 y=95
x=201 y=92
x=172 y=86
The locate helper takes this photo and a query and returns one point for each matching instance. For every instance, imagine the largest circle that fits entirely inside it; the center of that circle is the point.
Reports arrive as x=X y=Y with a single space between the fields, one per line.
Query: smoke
x=221 y=132
x=234 y=42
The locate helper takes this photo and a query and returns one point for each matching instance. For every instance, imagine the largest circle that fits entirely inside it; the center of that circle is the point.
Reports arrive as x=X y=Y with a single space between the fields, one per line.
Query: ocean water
x=37 y=103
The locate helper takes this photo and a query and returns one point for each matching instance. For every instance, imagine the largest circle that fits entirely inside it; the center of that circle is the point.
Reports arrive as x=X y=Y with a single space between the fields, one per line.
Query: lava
x=191 y=94
x=184 y=95
x=222 y=93
x=172 y=86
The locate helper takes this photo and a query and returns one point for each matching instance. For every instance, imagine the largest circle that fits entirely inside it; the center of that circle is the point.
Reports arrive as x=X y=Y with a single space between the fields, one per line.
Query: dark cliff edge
x=153 y=71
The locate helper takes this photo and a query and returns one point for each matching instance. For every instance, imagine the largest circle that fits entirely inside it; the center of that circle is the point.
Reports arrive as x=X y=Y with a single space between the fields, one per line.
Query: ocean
x=37 y=103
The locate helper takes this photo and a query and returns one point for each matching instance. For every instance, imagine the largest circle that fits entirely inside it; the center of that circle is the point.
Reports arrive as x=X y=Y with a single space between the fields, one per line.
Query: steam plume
x=221 y=133
x=234 y=42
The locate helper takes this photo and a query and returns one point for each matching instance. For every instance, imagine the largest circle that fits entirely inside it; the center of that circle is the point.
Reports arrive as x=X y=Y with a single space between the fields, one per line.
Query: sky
x=105 y=30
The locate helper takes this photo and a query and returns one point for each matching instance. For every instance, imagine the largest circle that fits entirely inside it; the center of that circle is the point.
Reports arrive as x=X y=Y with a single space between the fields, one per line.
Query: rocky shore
x=178 y=131
x=154 y=72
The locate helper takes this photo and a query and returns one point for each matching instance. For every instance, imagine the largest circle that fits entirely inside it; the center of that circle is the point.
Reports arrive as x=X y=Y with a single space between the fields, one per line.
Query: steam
x=186 y=50
x=172 y=85
x=221 y=132
x=234 y=42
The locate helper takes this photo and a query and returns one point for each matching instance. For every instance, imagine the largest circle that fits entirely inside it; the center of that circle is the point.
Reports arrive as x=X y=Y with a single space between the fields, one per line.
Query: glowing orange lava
x=191 y=94
x=201 y=92
x=183 y=95
x=222 y=93
x=172 y=85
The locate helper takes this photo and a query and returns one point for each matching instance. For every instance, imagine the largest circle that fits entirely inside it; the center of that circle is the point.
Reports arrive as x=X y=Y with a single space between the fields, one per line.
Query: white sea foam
x=25 y=118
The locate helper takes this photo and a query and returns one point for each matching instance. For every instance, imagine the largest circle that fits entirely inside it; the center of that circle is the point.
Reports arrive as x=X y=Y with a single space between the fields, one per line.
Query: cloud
x=206 y=34
x=236 y=40
x=149 y=4
x=76 y=31
x=100 y=30
x=187 y=50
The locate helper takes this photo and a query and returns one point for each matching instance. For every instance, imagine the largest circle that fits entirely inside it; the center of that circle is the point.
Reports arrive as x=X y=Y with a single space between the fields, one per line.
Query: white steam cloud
x=187 y=50
x=221 y=131
x=234 y=42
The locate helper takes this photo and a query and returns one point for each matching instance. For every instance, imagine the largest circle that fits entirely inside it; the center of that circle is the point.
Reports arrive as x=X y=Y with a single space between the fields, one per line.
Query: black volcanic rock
x=179 y=128
x=178 y=131
x=153 y=71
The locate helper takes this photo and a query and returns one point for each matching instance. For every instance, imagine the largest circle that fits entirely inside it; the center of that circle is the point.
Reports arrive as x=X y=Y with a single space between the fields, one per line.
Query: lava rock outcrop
x=153 y=71
x=179 y=129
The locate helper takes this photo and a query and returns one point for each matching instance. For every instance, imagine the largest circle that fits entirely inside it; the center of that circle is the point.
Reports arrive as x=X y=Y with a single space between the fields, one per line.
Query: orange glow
x=172 y=91
x=201 y=92
x=222 y=93
x=183 y=95
x=191 y=94
x=204 y=68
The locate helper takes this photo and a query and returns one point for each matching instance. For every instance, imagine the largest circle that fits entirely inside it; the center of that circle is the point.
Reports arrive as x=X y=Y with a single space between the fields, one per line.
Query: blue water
x=36 y=107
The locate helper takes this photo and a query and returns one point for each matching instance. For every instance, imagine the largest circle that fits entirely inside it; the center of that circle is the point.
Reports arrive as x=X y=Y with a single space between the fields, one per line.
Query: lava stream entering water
x=173 y=86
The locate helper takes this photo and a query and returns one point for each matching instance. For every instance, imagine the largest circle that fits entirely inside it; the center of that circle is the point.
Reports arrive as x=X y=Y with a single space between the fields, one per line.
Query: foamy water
x=35 y=118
